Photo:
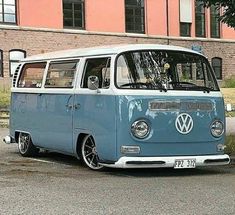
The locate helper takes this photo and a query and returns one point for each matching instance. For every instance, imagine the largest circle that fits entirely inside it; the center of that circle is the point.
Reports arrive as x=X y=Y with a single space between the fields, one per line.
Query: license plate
x=185 y=163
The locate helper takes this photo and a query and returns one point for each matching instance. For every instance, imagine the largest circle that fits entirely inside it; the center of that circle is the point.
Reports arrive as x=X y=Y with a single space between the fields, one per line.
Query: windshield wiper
x=189 y=86
x=205 y=89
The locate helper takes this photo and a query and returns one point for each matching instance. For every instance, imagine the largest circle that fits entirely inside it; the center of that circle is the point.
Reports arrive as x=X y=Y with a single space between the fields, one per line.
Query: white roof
x=102 y=50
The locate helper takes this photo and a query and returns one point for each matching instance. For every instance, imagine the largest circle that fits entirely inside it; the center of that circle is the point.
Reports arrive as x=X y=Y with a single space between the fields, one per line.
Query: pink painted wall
x=105 y=15
x=193 y=20
x=174 y=18
x=109 y=16
x=155 y=17
x=228 y=33
x=40 y=13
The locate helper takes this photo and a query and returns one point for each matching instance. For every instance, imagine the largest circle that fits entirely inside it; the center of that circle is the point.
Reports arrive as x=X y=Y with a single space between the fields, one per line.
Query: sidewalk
x=230 y=125
x=232 y=158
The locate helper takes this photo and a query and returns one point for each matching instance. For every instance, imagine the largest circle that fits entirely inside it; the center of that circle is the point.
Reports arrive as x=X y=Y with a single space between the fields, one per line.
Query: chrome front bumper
x=161 y=162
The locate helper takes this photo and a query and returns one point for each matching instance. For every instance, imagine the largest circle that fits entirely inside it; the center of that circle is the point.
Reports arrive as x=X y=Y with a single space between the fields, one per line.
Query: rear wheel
x=26 y=147
x=89 y=154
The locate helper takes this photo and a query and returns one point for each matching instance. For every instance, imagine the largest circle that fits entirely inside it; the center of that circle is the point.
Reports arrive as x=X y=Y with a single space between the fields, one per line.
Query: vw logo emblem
x=184 y=123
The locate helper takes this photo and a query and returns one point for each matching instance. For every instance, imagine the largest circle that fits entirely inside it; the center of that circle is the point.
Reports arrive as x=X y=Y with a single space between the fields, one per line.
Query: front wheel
x=89 y=154
x=26 y=147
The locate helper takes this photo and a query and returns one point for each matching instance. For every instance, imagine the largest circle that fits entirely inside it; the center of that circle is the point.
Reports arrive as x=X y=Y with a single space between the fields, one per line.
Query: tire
x=89 y=154
x=25 y=145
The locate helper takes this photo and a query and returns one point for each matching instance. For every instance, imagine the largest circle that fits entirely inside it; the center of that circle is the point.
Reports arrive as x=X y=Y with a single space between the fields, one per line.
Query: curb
x=232 y=159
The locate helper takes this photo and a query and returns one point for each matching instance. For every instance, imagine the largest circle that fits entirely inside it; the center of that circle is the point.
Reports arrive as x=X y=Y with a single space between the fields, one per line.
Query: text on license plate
x=185 y=163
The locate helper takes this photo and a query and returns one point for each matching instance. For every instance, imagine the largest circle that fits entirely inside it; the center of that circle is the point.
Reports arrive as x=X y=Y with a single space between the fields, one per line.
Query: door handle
x=77 y=106
x=69 y=106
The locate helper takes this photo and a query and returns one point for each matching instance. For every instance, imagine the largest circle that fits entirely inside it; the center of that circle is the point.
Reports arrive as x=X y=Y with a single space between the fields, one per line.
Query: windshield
x=164 y=70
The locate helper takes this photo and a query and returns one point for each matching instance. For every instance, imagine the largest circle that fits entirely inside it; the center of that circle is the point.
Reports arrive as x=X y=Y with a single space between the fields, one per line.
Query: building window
x=186 y=18
x=8 y=11
x=200 y=19
x=1 y=63
x=73 y=11
x=215 y=23
x=217 y=66
x=135 y=22
x=185 y=29
x=15 y=56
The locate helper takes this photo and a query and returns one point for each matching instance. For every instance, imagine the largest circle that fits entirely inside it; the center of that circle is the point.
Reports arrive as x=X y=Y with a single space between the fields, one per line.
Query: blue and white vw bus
x=125 y=106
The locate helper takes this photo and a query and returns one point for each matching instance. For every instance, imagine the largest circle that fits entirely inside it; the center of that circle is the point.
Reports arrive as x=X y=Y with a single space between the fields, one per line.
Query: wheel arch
x=80 y=138
x=17 y=133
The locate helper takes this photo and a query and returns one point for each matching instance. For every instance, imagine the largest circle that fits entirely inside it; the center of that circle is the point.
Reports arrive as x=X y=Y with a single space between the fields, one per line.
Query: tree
x=228 y=15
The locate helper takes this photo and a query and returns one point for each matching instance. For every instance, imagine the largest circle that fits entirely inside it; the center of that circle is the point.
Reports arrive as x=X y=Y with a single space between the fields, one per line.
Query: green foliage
x=230 y=144
x=228 y=6
x=229 y=82
x=4 y=98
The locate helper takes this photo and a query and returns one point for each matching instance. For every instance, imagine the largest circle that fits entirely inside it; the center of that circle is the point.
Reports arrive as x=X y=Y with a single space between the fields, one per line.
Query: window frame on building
x=1 y=64
x=135 y=24
x=214 y=21
x=3 y=13
x=73 y=2
x=186 y=17
x=219 y=75
x=183 y=29
x=15 y=60
x=200 y=12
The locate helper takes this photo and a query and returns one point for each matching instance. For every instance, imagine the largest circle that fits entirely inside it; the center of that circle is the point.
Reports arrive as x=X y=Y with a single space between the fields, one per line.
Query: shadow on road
x=72 y=162
x=168 y=172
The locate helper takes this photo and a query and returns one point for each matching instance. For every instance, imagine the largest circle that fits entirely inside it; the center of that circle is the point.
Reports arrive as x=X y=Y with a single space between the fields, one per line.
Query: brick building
x=29 y=27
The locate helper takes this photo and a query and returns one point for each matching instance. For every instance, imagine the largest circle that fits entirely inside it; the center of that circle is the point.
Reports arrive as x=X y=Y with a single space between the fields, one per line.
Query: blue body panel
x=46 y=118
x=97 y=115
x=108 y=119
x=164 y=139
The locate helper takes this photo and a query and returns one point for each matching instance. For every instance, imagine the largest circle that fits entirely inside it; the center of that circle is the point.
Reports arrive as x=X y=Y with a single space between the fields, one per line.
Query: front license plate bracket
x=185 y=163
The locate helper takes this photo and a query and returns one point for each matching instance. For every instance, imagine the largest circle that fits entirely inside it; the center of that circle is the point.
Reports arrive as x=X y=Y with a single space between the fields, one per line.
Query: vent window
x=14 y=80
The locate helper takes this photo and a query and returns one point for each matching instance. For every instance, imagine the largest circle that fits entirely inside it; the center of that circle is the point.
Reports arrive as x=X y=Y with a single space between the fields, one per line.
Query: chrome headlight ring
x=217 y=128
x=140 y=129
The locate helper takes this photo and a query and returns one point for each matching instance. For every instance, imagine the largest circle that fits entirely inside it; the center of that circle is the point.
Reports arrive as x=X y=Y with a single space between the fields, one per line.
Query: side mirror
x=93 y=82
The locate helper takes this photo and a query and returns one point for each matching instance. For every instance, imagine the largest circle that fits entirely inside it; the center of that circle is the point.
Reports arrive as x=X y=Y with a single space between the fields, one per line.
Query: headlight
x=217 y=128
x=140 y=129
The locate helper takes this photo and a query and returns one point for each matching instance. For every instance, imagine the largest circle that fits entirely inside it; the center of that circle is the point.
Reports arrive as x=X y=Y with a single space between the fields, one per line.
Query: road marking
x=40 y=160
x=45 y=161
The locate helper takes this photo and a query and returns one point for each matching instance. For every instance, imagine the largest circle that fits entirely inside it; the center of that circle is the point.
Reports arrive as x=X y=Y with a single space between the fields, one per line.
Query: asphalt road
x=57 y=184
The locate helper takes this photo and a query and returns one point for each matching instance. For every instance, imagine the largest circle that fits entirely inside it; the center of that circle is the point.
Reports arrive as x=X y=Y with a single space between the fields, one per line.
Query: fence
x=4 y=117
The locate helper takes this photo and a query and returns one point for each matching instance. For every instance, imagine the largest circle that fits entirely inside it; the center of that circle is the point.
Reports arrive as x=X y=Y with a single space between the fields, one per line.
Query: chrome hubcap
x=89 y=153
x=24 y=141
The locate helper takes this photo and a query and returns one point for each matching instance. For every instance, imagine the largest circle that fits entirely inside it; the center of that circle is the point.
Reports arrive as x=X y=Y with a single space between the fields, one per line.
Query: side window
x=99 y=67
x=32 y=75
x=15 y=56
x=61 y=74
